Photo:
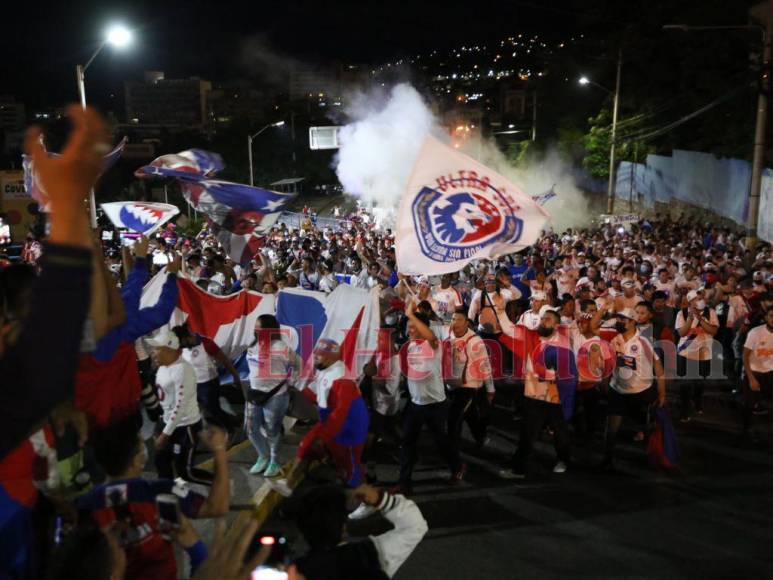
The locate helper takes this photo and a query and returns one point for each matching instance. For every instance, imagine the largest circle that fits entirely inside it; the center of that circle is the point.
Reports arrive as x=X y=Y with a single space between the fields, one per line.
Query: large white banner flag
x=455 y=210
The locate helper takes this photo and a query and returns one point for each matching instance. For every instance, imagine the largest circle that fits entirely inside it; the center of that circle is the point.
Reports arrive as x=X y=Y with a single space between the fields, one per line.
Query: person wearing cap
x=176 y=382
x=531 y=318
x=630 y=297
x=697 y=323
x=422 y=363
x=343 y=421
x=550 y=384
x=637 y=369
x=327 y=280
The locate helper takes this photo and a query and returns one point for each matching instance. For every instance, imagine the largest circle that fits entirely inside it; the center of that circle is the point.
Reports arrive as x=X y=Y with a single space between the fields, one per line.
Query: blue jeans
x=268 y=416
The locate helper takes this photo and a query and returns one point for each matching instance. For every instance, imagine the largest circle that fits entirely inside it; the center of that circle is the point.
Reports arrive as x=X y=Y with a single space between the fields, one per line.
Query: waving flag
x=33 y=186
x=236 y=211
x=543 y=198
x=228 y=320
x=455 y=210
x=348 y=315
x=142 y=217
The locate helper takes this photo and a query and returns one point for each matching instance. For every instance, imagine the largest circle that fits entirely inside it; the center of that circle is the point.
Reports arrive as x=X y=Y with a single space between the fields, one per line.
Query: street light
x=249 y=146
x=761 y=12
x=583 y=80
x=118 y=36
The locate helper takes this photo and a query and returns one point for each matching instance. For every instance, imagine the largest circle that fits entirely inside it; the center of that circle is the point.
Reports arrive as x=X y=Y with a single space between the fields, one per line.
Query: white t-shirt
x=177 y=392
x=760 y=342
x=201 y=362
x=446 y=301
x=271 y=367
x=697 y=344
x=635 y=368
x=425 y=378
x=324 y=379
x=530 y=319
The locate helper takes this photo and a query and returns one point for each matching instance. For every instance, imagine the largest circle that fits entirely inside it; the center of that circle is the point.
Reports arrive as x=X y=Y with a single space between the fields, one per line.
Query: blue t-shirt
x=515 y=274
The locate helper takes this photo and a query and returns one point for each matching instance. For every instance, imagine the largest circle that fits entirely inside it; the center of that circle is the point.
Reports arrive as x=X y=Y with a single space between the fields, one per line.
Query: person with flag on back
x=343 y=421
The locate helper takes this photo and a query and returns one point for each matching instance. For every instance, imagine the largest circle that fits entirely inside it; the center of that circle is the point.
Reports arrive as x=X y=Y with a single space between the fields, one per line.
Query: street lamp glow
x=118 y=35
x=584 y=80
x=279 y=123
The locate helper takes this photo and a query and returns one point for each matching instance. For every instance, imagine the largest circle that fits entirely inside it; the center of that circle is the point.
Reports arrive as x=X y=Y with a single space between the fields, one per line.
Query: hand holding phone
x=168 y=507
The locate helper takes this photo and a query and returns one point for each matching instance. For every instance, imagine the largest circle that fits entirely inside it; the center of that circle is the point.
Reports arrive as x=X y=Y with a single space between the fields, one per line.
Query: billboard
x=19 y=208
x=324 y=137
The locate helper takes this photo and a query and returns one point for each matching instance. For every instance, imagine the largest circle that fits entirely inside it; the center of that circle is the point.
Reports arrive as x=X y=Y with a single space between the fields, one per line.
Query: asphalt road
x=711 y=520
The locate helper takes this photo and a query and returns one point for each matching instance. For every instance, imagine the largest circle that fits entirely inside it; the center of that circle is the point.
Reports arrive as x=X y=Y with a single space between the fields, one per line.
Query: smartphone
x=168 y=507
x=269 y=570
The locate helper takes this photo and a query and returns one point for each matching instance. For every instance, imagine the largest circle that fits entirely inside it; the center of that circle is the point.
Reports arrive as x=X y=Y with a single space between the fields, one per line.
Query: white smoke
x=379 y=147
x=569 y=209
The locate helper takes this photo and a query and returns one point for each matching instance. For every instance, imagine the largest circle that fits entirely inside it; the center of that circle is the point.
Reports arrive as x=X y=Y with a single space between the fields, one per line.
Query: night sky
x=207 y=38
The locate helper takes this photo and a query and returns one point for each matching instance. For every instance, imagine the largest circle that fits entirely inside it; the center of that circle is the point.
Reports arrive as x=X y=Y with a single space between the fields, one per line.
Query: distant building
x=238 y=101
x=172 y=103
x=326 y=85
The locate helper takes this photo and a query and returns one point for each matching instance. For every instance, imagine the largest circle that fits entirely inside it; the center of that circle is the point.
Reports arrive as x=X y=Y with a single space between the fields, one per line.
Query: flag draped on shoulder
x=239 y=213
x=455 y=210
x=139 y=216
x=34 y=187
x=228 y=320
x=348 y=315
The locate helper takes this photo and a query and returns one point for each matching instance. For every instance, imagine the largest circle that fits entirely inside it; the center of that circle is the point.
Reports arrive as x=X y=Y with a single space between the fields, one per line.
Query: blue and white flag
x=139 y=216
x=455 y=210
x=346 y=278
x=543 y=198
x=348 y=315
x=234 y=209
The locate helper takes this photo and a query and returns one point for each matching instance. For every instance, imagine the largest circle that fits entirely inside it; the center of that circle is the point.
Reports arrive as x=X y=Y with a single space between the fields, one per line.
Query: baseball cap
x=538 y=295
x=164 y=338
x=422 y=280
x=584 y=281
x=709 y=266
x=545 y=309
x=629 y=313
x=693 y=294
x=327 y=346
x=628 y=283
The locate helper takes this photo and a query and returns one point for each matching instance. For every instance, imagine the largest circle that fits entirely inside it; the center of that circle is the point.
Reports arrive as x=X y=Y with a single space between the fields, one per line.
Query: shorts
x=630 y=405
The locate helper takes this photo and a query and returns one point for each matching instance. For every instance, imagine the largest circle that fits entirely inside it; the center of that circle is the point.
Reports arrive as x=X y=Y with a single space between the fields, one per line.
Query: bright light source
x=584 y=80
x=118 y=35
x=279 y=123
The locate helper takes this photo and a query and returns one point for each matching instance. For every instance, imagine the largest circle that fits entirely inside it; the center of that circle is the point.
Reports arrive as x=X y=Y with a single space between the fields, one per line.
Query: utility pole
x=615 y=106
x=534 y=115
x=762 y=12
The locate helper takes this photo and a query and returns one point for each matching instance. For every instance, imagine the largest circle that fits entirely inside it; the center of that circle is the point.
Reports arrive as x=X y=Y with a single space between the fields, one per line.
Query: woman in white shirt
x=697 y=324
x=273 y=367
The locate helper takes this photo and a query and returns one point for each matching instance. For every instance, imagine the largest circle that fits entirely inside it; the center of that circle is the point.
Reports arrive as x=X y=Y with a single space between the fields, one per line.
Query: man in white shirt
x=632 y=387
x=758 y=368
x=531 y=318
x=471 y=372
x=697 y=324
x=428 y=403
x=445 y=299
x=176 y=383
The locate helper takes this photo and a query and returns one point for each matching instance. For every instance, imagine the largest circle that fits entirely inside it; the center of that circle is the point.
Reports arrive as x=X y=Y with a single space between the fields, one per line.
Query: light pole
x=615 y=106
x=118 y=36
x=249 y=146
x=762 y=12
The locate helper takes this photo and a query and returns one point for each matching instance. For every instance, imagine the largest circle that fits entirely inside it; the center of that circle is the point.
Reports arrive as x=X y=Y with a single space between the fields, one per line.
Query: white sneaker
x=363 y=511
x=280 y=486
x=560 y=467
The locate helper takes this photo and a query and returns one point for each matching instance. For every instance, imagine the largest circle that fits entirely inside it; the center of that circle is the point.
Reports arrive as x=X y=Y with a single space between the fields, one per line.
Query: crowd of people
x=576 y=335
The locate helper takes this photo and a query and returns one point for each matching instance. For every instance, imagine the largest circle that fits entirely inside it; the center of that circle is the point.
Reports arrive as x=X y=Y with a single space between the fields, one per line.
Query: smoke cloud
x=379 y=147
